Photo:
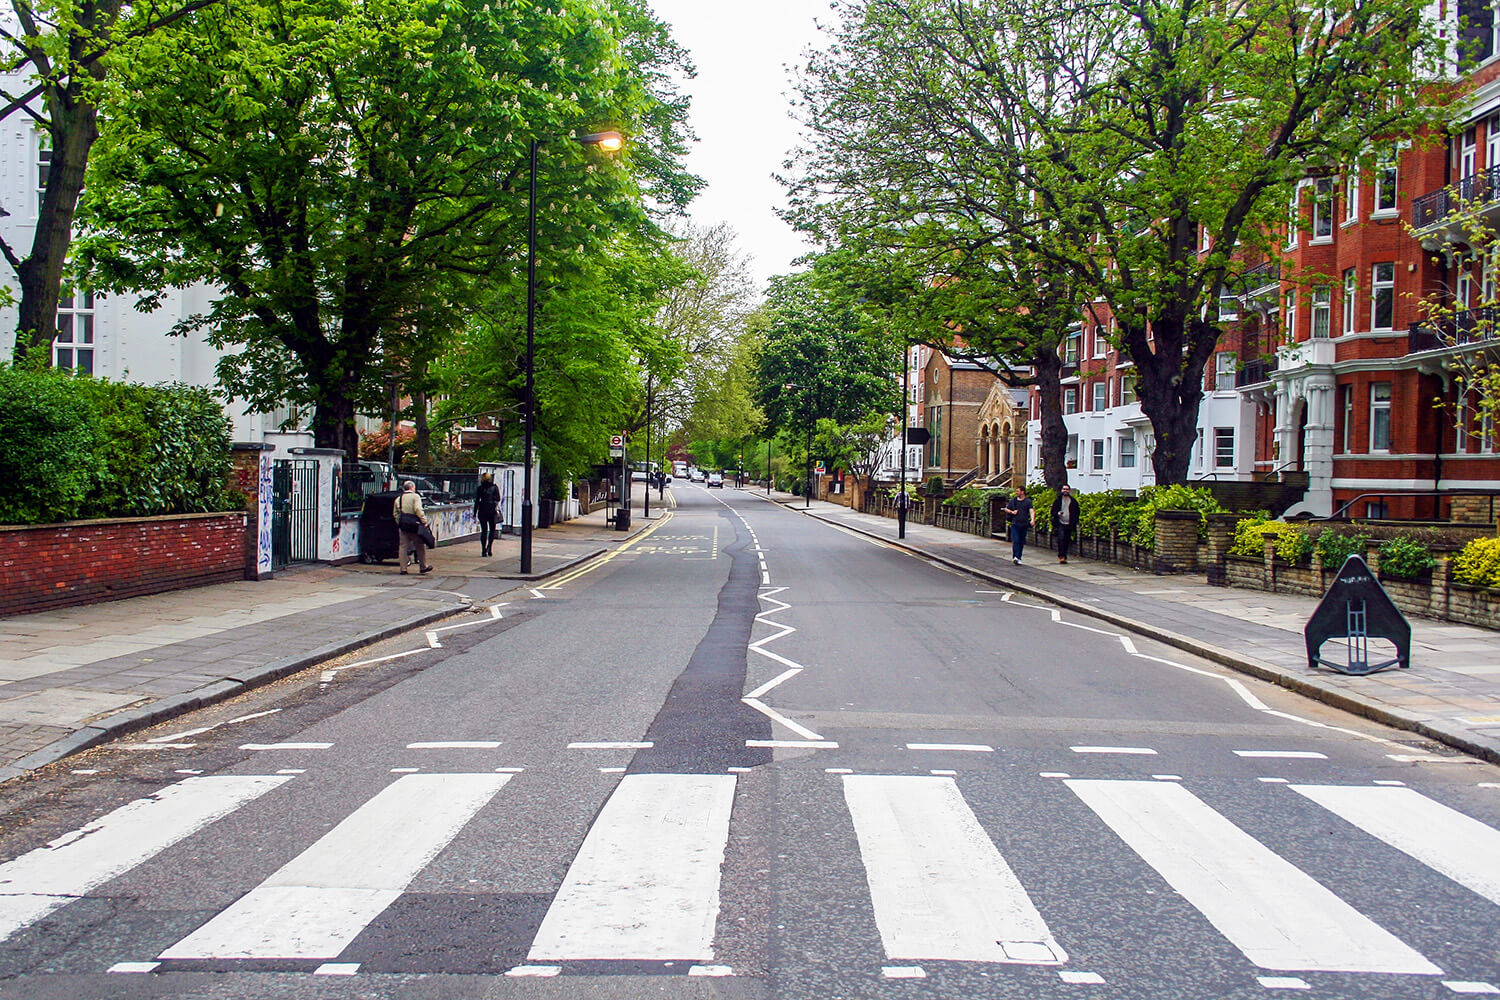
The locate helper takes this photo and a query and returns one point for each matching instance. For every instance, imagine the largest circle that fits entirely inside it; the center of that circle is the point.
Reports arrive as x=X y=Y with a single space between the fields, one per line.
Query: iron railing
x=1254 y=373
x=1469 y=326
x=1435 y=206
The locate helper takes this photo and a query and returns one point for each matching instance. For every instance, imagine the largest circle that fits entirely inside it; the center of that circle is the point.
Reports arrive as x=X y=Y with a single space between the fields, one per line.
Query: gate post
x=252 y=476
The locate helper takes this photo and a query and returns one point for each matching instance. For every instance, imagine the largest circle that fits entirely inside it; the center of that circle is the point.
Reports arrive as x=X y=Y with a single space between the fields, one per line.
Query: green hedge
x=1135 y=516
x=74 y=448
x=1293 y=544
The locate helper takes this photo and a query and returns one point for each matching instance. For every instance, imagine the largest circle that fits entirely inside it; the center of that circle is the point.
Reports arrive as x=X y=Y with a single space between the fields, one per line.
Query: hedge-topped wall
x=77 y=448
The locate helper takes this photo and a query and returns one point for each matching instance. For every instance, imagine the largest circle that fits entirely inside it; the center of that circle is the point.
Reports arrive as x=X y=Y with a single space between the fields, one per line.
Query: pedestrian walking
x=1022 y=517
x=1064 y=520
x=410 y=519
x=487 y=510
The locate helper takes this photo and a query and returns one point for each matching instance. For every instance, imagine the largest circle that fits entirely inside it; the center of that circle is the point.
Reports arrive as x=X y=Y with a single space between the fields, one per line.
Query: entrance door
x=294 y=512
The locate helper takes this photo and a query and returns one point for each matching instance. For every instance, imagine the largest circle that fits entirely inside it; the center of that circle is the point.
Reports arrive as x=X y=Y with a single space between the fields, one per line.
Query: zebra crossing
x=646 y=883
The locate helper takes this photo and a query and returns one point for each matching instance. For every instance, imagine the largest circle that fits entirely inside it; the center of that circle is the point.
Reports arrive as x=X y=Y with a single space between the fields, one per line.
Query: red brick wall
x=84 y=562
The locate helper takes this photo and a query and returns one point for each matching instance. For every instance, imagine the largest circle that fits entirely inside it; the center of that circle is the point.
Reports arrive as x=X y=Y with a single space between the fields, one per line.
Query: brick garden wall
x=84 y=562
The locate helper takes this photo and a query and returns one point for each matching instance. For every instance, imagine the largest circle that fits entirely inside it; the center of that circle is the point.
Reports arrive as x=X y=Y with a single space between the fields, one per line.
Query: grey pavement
x=1451 y=692
x=75 y=677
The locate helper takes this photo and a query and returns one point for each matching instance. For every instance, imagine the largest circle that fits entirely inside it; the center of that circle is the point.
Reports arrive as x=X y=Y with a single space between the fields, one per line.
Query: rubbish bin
x=544 y=514
x=378 y=538
x=622 y=519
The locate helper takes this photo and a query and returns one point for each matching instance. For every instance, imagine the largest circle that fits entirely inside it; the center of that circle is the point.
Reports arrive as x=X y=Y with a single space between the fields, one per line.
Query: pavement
x=1451 y=692
x=76 y=677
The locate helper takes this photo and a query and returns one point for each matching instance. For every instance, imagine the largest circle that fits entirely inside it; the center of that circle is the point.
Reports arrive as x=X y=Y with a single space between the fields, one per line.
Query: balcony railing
x=1470 y=326
x=1255 y=279
x=1435 y=206
x=1254 y=373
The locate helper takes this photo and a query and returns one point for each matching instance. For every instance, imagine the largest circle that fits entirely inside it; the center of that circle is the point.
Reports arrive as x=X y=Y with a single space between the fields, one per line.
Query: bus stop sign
x=1355 y=608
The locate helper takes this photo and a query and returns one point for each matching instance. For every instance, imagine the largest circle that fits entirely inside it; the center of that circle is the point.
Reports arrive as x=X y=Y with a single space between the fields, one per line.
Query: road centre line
x=1127 y=751
x=614 y=745
x=568 y=577
x=285 y=746
x=791 y=744
x=962 y=747
x=455 y=745
x=1283 y=754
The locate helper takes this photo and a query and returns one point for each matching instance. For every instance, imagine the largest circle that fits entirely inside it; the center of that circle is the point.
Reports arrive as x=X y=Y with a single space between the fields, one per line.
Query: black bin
x=622 y=519
x=379 y=539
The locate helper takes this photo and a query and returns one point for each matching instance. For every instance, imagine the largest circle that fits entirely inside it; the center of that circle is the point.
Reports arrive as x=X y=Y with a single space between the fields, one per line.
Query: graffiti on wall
x=263 y=518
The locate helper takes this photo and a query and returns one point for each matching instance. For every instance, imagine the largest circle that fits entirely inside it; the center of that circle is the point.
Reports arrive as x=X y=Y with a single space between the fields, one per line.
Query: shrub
x=1403 y=559
x=1293 y=544
x=1334 y=548
x=1478 y=564
x=936 y=486
x=78 y=447
x=970 y=496
x=1174 y=497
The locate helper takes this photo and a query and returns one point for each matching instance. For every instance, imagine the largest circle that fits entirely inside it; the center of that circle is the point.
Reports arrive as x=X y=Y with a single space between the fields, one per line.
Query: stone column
x=1220 y=533
x=251 y=463
x=1176 y=549
x=1269 y=577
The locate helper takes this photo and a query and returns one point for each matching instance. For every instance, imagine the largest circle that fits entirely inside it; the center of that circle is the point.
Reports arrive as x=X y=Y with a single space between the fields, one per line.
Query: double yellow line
x=594 y=564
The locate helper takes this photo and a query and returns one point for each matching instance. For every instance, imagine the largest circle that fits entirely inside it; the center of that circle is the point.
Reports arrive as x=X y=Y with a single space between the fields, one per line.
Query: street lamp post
x=646 y=509
x=609 y=142
x=902 y=500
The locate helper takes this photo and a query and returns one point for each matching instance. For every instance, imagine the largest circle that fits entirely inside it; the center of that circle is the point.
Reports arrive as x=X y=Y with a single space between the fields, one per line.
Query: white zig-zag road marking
x=785 y=675
x=775 y=716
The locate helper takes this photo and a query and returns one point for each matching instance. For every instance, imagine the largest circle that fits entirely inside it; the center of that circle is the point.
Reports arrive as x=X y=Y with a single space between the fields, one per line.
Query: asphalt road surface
x=752 y=755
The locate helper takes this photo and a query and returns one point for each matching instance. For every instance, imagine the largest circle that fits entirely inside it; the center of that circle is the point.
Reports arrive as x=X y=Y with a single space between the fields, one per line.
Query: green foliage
x=936 y=486
x=971 y=496
x=1293 y=544
x=1334 y=548
x=1405 y=559
x=1478 y=564
x=89 y=448
x=1246 y=538
x=1100 y=513
x=1173 y=497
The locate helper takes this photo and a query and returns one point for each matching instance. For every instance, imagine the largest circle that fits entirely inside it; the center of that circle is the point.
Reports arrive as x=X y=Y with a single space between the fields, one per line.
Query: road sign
x=1355 y=608
x=918 y=435
x=616 y=445
x=820 y=469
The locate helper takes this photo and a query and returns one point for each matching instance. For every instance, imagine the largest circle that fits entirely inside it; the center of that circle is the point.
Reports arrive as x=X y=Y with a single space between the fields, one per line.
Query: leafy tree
x=64 y=45
x=854 y=446
x=346 y=170
x=1131 y=127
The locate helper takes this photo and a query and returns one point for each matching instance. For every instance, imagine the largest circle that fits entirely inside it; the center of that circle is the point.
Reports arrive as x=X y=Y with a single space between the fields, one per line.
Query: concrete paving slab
x=61 y=706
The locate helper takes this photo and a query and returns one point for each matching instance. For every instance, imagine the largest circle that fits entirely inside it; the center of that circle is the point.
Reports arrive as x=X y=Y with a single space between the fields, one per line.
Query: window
x=1127 y=390
x=1289 y=316
x=1097 y=462
x=43 y=167
x=1070 y=400
x=1382 y=296
x=1072 y=451
x=1229 y=307
x=1385 y=186
x=1127 y=451
x=1468 y=153
x=73 y=349
x=1322 y=310
x=1294 y=217
x=1100 y=342
x=1351 y=291
x=1223 y=447
x=1377 y=510
x=1463 y=295
x=1224 y=365
x=1351 y=194
x=1347 y=392
x=1486 y=432
x=1322 y=210
x=1198 y=449
x=1492 y=141
x=1380 y=416
x=1100 y=400
x=1070 y=348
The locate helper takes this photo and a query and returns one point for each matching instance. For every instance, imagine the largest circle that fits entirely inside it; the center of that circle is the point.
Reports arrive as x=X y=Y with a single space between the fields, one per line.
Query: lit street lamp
x=609 y=142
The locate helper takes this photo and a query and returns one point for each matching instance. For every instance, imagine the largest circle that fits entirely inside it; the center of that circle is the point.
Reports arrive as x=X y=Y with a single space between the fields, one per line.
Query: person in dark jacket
x=1064 y=520
x=1022 y=518
x=487 y=510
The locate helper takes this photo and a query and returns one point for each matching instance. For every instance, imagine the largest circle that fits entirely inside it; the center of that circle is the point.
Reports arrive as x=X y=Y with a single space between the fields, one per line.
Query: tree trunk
x=1054 y=456
x=423 y=440
x=74 y=130
x=1170 y=387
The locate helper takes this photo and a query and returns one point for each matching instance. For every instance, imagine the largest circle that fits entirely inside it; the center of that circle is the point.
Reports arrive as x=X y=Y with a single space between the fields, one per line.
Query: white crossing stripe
x=939 y=887
x=45 y=879
x=645 y=883
x=1444 y=839
x=320 y=900
x=1280 y=917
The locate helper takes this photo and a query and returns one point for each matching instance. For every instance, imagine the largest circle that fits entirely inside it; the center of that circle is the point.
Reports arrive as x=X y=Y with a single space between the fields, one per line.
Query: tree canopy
x=352 y=175
x=1110 y=143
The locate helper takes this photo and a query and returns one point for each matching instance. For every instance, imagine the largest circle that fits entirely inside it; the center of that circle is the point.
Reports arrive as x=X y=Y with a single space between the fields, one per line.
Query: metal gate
x=294 y=512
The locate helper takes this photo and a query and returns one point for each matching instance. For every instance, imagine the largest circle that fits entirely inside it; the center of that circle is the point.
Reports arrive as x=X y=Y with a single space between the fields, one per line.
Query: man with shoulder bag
x=410 y=521
x=1064 y=520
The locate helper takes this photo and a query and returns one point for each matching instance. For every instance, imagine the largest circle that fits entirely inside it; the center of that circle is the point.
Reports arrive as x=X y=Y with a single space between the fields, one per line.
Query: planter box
x=85 y=562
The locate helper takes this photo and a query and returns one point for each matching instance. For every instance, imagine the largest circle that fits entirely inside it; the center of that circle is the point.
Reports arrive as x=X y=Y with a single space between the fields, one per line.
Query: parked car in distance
x=716 y=479
x=431 y=493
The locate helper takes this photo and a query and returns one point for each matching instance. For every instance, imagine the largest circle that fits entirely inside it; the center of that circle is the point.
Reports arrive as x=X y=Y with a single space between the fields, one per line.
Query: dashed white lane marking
x=538 y=971
x=960 y=747
x=1129 y=751
x=1443 y=839
x=187 y=770
x=156 y=746
x=1080 y=978
x=133 y=967
x=537 y=595
x=1282 y=754
x=838 y=770
x=1273 y=781
x=1389 y=781
x=328 y=675
x=455 y=745
x=336 y=969
x=943 y=772
x=1055 y=774
x=285 y=746
x=1277 y=915
x=919 y=839
x=42 y=880
x=292 y=770
x=321 y=900
x=1283 y=983
x=645 y=883
x=611 y=770
x=1470 y=986
x=904 y=972
x=1166 y=777
x=793 y=744
x=1427 y=758
x=710 y=970
x=614 y=745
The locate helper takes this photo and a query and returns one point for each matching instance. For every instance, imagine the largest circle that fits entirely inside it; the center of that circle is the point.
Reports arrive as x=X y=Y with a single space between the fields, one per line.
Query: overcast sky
x=740 y=112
